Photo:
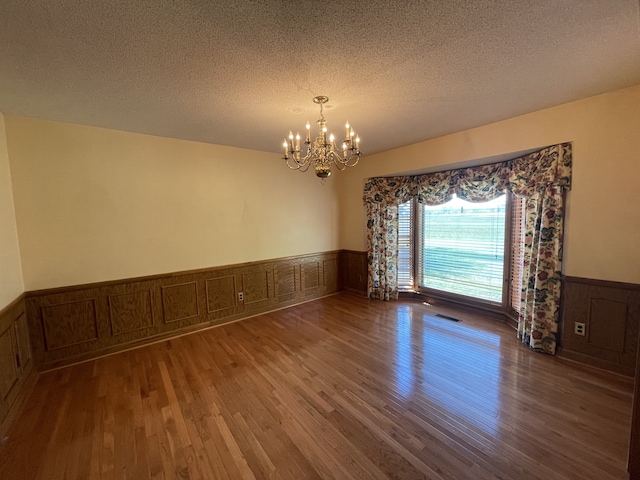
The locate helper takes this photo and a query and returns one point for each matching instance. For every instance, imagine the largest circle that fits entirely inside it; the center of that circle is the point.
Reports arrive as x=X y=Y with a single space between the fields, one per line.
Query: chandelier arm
x=292 y=167
x=304 y=168
x=340 y=159
x=300 y=159
x=340 y=166
x=356 y=162
x=351 y=160
x=334 y=158
x=297 y=162
x=343 y=156
x=341 y=151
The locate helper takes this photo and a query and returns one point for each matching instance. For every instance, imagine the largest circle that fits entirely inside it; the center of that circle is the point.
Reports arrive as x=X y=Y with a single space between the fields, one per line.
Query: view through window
x=460 y=248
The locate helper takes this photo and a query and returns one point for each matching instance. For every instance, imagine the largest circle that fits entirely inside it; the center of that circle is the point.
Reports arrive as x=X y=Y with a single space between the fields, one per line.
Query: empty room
x=319 y=240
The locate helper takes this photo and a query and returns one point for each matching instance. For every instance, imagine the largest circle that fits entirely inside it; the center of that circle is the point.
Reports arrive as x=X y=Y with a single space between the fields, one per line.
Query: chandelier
x=322 y=152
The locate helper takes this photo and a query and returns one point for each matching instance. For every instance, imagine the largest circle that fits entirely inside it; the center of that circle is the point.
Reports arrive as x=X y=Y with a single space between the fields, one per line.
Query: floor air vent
x=447 y=317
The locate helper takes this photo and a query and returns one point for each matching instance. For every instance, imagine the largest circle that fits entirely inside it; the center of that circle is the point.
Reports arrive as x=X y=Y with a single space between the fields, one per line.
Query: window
x=459 y=249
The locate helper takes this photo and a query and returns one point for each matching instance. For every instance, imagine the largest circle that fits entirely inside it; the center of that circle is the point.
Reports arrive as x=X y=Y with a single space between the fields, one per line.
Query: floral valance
x=523 y=176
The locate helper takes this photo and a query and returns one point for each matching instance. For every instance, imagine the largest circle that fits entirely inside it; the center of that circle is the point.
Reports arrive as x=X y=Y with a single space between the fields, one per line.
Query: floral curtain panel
x=382 y=245
x=540 y=177
x=382 y=233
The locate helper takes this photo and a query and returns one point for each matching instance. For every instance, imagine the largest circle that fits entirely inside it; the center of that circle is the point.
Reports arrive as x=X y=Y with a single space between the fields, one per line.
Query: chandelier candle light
x=320 y=152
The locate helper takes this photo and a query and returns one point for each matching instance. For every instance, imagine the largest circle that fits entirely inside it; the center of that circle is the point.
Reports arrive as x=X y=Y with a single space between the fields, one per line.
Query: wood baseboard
x=590 y=361
x=357 y=292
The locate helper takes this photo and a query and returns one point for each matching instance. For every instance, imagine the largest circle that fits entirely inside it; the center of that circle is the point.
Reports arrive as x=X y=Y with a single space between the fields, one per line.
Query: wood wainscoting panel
x=354 y=272
x=16 y=366
x=74 y=322
x=69 y=323
x=180 y=301
x=633 y=463
x=311 y=275
x=9 y=372
x=607 y=324
x=222 y=293
x=255 y=284
x=330 y=273
x=284 y=280
x=611 y=314
x=129 y=312
x=22 y=341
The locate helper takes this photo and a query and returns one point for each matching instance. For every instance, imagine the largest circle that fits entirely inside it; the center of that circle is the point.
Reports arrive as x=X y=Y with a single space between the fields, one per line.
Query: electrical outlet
x=241 y=296
x=579 y=328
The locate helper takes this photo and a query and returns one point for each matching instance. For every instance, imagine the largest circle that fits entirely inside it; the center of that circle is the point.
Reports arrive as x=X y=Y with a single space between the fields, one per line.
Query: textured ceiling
x=243 y=73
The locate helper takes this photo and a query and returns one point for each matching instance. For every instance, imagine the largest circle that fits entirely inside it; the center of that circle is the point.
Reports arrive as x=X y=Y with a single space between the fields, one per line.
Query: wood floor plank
x=341 y=387
x=176 y=412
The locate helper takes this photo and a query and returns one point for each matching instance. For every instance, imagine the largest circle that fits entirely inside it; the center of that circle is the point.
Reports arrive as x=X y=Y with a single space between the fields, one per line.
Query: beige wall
x=602 y=228
x=11 y=285
x=95 y=204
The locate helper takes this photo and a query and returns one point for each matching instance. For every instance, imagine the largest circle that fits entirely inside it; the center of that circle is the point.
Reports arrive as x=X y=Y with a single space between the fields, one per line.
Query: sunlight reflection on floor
x=471 y=390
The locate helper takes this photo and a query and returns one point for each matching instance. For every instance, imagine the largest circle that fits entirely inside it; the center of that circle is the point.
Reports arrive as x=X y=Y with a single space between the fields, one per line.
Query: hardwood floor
x=340 y=387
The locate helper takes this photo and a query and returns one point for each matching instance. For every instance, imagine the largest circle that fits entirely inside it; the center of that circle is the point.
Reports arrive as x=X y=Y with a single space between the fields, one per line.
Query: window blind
x=461 y=248
x=517 y=251
x=405 y=246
